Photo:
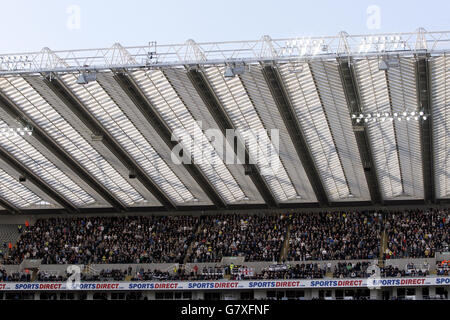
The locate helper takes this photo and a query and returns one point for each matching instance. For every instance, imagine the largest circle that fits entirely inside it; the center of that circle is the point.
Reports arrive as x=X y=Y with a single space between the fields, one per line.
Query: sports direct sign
x=223 y=285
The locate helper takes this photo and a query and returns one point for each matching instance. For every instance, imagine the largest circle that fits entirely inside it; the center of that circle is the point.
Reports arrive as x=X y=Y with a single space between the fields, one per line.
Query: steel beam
x=79 y=110
x=426 y=133
x=47 y=142
x=217 y=111
x=33 y=178
x=132 y=89
x=9 y=207
x=348 y=78
x=292 y=124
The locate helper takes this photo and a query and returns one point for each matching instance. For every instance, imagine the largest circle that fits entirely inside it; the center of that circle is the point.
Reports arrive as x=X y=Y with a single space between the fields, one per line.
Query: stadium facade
x=347 y=122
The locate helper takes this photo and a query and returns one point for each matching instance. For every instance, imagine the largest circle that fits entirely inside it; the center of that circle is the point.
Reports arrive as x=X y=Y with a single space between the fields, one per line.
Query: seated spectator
x=257 y=238
x=334 y=236
x=349 y=270
x=105 y=240
x=299 y=271
x=417 y=233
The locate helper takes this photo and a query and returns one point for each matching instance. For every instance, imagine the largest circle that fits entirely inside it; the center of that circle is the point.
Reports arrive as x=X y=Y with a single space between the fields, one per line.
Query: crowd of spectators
x=256 y=237
x=150 y=239
x=443 y=268
x=14 y=276
x=351 y=270
x=417 y=233
x=342 y=270
x=299 y=271
x=166 y=239
x=334 y=236
x=396 y=272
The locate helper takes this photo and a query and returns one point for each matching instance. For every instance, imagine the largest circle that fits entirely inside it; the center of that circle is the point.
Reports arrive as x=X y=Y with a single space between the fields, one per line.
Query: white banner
x=224 y=285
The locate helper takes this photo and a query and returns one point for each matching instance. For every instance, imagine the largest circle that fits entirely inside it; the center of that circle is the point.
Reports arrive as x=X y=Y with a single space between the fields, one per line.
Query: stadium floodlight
x=383 y=65
x=229 y=72
x=85 y=78
x=232 y=71
x=386 y=64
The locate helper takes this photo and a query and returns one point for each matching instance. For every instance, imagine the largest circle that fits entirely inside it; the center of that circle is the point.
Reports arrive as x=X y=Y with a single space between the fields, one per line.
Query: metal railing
x=251 y=51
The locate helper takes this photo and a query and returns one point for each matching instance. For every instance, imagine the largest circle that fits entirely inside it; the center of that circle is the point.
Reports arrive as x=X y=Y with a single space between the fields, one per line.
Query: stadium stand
x=258 y=238
x=321 y=246
x=331 y=236
x=159 y=239
x=417 y=234
x=357 y=122
x=9 y=233
x=151 y=239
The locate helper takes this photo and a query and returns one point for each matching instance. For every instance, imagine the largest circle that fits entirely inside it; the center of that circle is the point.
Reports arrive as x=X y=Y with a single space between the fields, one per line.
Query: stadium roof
x=361 y=120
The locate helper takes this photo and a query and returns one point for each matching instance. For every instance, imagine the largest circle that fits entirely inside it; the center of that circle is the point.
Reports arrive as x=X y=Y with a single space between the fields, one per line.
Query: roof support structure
x=223 y=121
x=361 y=134
x=253 y=51
x=28 y=174
x=287 y=112
x=42 y=137
x=151 y=115
x=79 y=110
x=426 y=134
x=9 y=206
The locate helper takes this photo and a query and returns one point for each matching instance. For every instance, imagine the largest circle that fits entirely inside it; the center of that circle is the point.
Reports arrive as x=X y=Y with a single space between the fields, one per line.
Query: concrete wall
x=258 y=266
x=401 y=263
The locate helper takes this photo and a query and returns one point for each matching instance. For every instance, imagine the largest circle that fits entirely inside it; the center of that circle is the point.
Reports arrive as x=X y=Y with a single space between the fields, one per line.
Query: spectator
x=417 y=233
x=257 y=238
x=338 y=236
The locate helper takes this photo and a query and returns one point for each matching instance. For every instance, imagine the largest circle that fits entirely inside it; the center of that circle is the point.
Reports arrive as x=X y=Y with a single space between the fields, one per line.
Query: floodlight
x=230 y=71
x=85 y=78
x=383 y=65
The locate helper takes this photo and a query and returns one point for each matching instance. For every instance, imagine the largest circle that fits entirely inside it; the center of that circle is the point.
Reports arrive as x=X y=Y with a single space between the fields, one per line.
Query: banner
x=224 y=285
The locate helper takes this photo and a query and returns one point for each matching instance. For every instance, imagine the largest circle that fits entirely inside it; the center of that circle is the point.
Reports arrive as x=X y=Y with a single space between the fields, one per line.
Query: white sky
x=32 y=25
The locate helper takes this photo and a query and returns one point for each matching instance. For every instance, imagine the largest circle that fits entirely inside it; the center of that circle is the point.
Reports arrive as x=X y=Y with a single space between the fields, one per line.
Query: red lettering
x=107 y=286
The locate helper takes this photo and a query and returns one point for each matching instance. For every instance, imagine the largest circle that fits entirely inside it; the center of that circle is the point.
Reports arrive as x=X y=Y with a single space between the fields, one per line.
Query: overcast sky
x=75 y=24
